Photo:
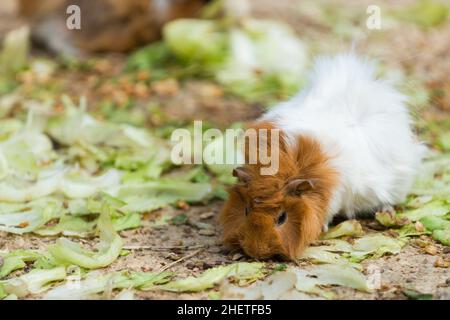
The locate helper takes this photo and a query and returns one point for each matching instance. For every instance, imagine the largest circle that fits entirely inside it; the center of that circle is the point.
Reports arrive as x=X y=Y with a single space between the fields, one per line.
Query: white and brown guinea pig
x=346 y=146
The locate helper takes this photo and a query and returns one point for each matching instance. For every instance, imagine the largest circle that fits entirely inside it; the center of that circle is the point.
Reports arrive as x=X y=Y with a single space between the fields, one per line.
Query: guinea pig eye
x=281 y=218
x=246 y=210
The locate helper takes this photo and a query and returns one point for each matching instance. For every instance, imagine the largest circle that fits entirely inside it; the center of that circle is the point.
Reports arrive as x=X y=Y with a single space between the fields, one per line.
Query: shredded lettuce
x=300 y=283
x=389 y=219
x=329 y=274
x=435 y=223
x=255 y=59
x=18 y=190
x=76 y=185
x=347 y=228
x=68 y=252
x=443 y=236
x=3 y=293
x=148 y=196
x=426 y=13
x=26 y=153
x=375 y=246
x=440 y=228
x=196 y=40
x=274 y=287
x=34 y=282
x=432 y=208
x=71 y=226
x=242 y=272
x=325 y=254
x=265 y=57
x=16 y=260
x=340 y=252
x=14 y=53
x=96 y=282
x=434 y=177
x=127 y=221
x=28 y=221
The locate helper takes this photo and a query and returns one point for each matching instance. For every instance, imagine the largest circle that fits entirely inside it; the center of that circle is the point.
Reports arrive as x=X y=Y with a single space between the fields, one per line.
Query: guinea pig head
x=279 y=215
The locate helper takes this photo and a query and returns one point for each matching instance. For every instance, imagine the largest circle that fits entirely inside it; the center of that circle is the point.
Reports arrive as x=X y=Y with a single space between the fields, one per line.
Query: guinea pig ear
x=241 y=174
x=299 y=186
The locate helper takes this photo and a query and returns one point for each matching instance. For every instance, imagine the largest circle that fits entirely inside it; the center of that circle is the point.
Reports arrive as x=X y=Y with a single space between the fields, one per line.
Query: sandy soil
x=153 y=249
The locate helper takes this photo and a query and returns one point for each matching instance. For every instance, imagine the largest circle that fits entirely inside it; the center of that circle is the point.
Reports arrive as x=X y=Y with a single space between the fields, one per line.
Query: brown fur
x=267 y=196
x=106 y=25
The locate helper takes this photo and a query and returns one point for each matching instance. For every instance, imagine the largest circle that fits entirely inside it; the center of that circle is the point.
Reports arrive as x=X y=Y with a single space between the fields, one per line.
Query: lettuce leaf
x=34 y=282
x=440 y=228
x=432 y=208
x=14 y=53
x=265 y=58
x=375 y=246
x=110 y=246
x=443 y=236
x=77 y=185
x=325 y=255
x=426 y=13
x=242 y=272
x=329 y=274
x=389 y=219
x=71 y=226
x=151 y=195
x=96 y=282
x=347 y=228
x=28 y=221
x=194 y=40
x=16 y=260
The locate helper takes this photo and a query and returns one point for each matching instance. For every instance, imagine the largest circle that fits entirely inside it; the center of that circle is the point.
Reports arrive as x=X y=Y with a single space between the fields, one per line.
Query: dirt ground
x=420 y=53
x=153 y=249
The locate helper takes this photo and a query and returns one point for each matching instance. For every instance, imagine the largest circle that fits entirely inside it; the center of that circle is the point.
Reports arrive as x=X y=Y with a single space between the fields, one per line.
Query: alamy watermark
x=373 y=277
x=373 y=21
x=214 y=147
x=73 y=21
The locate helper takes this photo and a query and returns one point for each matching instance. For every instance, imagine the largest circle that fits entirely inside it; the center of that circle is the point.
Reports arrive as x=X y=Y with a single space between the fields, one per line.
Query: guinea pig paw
x=325 y=227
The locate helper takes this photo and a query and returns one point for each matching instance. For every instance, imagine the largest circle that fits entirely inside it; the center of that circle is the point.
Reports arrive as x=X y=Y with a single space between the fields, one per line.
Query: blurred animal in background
x=106 y=25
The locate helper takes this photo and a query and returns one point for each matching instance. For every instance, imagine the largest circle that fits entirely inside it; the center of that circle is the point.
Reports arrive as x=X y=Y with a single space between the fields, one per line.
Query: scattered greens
x=110 y=246
x=271 y=288
x=375 y=246
x=347 y=228
x=96 y=282
x=14 y=53
x=425 y=13
x=16 y=260
x=193 y=40
x=33 y=282
x=255 y=59
x=328 y=274
x=414 y=295
x=288 y=284
x=340 y=252
x=390 y=219
x=22 y=222
x=242 y=273
x=433 y=208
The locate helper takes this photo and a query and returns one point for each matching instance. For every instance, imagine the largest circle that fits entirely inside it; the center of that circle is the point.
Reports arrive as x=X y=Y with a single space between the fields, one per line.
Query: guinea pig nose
x=260 y=252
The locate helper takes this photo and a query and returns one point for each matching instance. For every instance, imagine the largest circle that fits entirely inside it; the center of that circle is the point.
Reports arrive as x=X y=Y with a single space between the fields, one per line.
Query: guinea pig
x=345 y=146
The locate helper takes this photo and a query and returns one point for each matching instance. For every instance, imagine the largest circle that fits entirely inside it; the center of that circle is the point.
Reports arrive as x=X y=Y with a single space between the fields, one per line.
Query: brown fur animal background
x=106 y=25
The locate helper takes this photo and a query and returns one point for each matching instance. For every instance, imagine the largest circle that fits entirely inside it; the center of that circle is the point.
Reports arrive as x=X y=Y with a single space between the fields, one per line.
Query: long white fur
x=363 y=125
